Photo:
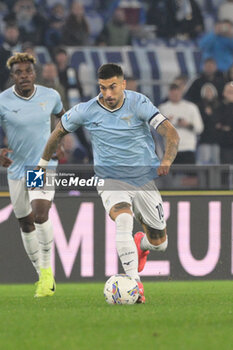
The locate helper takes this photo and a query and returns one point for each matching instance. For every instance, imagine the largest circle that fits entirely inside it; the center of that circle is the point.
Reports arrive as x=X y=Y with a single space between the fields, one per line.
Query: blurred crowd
x=201 y=109
x=202 y=112
x=55 y=23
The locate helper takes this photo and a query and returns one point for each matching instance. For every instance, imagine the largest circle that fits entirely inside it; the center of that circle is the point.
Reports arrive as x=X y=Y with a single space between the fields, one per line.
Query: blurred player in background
x=118 y=121
x=25 y=112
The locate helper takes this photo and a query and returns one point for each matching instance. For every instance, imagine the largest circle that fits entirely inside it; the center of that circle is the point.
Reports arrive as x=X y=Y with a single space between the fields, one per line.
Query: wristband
x=43 y=163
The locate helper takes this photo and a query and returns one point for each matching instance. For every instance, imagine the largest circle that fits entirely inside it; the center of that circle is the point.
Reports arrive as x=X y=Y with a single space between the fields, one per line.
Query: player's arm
x=60 y=149
x=52 y=143
x=4 y=160
x=57 y=118
x=146 y=109
x=171 y=137
x=59 y=115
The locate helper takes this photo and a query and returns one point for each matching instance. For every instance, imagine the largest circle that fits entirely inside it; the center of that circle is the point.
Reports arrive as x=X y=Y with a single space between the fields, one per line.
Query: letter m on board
x=82 y=237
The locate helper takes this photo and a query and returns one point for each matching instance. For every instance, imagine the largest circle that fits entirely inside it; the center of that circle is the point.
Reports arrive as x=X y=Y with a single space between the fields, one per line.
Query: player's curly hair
x=19 y=57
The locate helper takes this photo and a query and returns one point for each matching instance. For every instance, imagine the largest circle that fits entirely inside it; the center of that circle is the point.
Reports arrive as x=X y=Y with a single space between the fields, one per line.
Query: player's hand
x=164 y=168
x=4 y=160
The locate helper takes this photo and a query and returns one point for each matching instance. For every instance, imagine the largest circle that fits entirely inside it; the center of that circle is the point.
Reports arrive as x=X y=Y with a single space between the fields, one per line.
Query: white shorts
x=147 y=204
x=21 y=197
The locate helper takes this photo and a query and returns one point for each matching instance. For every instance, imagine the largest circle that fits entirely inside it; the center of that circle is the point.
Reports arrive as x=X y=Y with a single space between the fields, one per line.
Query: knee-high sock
x=31 y=245
x=146 y=245
x=45 y=238
x=125 y=244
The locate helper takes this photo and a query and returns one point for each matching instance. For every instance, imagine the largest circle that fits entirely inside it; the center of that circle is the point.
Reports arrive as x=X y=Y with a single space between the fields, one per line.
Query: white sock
x=45 y=238
x=146 y=245
x=126 y=248
x=31 y=245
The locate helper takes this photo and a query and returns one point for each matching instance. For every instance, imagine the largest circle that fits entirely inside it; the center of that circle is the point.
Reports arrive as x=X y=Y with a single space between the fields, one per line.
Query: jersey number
x=160 y=211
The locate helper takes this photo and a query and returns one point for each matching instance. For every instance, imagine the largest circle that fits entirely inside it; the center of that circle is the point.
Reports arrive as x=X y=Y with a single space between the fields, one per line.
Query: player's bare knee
x=158 y=238
x=155 y=234
x=40 y=218
x=119 y=208
x=40 y=210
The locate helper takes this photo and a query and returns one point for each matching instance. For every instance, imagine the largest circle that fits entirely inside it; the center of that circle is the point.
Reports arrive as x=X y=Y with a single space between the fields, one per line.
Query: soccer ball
x=121 y=289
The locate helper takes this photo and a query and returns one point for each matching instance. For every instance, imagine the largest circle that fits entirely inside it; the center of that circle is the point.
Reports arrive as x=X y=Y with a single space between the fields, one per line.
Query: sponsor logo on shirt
x=43 y=105
x=127 y=119
x=97 y=123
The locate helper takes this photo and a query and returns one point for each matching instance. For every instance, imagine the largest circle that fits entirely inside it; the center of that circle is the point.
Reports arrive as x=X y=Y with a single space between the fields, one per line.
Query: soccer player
x=25 y=113
x=118 y=121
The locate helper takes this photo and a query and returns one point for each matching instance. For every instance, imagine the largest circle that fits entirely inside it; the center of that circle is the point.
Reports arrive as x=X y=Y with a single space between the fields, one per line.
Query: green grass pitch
x=177 y=316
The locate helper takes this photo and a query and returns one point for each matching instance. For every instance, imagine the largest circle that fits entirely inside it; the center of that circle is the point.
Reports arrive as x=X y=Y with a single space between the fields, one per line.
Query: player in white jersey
x=25 y=113
x=118 y=121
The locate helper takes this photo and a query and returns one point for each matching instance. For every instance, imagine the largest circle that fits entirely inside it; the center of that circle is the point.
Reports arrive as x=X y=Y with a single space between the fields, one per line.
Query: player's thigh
x=148 y=209
x=41 y=201
x=47 y=195
x=19 y=198
x=115 y=192
x=112 y=198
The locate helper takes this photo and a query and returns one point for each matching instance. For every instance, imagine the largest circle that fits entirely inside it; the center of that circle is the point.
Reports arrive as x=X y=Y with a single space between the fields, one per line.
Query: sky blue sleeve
x=58 y=103
x=72 y=119
x=145 y=109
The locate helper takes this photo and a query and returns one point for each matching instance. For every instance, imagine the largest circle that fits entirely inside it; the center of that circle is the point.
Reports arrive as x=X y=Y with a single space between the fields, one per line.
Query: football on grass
x=121 y=289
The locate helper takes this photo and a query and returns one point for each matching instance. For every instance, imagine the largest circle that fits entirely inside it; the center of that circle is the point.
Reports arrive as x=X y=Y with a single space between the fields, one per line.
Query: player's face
x=113 y=91
x=23 y=75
